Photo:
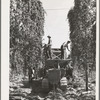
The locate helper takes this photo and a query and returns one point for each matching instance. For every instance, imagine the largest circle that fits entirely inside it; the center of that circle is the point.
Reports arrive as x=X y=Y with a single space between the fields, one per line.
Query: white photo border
x=5 y=19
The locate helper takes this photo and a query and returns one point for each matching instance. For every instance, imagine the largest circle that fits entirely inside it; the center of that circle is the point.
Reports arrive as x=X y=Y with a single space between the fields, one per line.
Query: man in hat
x=49 y=47
x=66 y=45
x=63 y=49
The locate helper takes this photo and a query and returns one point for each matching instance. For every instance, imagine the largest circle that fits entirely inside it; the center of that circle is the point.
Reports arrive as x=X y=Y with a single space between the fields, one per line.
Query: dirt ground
x=22 y=90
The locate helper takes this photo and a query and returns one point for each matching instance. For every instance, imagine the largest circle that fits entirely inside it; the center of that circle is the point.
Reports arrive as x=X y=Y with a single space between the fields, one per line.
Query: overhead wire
x=47 y=29
x=57 y=9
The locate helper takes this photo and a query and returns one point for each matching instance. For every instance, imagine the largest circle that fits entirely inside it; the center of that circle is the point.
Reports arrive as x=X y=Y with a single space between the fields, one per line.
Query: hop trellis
x=26 y=31
x=82 y=21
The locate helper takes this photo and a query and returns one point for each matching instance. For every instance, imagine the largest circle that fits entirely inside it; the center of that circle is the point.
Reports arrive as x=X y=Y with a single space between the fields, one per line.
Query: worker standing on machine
x=49 y=47
x=63 y=49
x=66 y=45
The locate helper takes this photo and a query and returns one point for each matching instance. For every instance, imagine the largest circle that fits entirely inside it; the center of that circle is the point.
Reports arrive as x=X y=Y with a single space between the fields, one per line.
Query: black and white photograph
x=53 y=50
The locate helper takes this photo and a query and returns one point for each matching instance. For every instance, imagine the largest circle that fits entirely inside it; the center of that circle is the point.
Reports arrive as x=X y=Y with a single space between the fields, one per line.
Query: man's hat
x=49 y=36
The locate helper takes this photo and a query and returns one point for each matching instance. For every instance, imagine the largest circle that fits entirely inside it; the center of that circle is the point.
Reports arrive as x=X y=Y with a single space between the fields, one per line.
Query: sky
x=56 y=23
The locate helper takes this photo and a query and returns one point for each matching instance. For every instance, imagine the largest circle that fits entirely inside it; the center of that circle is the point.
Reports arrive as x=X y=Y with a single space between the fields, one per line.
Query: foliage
x=26 y=31
x=82 y=21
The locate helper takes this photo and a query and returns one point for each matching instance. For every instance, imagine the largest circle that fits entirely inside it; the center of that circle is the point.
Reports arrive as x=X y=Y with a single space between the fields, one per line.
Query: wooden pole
x=86 y=77
x=53 y=91
x=85 y=64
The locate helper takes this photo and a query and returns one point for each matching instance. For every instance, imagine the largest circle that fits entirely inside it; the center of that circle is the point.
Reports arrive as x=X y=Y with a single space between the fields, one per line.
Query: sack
x=54 y=76
x=45 y=83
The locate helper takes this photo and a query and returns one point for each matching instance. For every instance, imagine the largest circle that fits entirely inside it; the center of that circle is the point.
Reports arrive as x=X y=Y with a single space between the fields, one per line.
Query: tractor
x=54 y=71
